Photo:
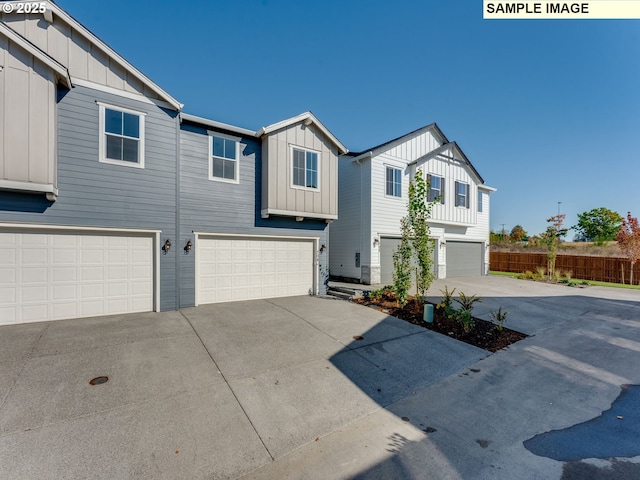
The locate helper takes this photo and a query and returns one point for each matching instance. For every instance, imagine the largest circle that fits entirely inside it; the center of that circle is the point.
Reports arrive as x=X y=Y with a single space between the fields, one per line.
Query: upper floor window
x=305 y=168
x=121 y=136
x=223 y=161
x=479 y=201
x=436 y=188
x=462 y=194
x=393 y=182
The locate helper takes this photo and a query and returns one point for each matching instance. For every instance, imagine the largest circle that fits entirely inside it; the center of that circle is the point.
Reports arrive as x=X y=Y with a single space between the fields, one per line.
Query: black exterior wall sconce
x=323 y=248
x=188 y=247
x=167 y=246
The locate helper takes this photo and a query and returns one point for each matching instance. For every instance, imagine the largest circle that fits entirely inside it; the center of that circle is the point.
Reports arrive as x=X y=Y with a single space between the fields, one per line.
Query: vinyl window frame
x=441 y=190
x=292 y=149
x=462 y=199
x=236 y=160
x=102 y=139
x=480 y=201
x=395 y=183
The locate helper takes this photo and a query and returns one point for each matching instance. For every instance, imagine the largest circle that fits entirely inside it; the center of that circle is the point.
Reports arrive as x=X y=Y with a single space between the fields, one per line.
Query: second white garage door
x=244 y=268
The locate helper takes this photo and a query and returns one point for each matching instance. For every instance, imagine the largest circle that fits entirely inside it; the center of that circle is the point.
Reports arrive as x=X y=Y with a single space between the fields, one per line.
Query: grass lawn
x=589 y=282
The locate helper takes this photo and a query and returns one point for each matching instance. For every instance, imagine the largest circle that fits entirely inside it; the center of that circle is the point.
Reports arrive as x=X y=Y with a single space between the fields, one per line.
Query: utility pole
x=503 y=224
x=559 y=207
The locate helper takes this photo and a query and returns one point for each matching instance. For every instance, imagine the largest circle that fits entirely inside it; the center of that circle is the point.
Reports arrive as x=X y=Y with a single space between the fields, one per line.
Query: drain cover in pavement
x=99 y=380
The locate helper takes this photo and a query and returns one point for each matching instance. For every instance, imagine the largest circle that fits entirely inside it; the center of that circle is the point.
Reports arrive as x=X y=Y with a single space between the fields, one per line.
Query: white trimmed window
x=223 y=158
x=304 y=168
x=436 y=188
x=479 y=201
x=393 y=182
x=462 y=194
x=121 y=136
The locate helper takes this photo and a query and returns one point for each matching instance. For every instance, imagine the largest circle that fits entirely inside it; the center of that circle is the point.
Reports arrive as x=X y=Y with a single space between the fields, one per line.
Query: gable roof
x=307 y=118
x=99 y=44
x=391 y=143
x=453 y=146
x=60 y=70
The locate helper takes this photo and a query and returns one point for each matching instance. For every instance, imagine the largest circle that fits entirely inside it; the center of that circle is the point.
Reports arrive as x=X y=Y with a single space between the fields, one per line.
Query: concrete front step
x=339 y=294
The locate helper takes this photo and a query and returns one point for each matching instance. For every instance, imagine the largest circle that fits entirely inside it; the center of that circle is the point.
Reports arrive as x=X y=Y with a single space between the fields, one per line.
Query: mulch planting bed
x=484 y=334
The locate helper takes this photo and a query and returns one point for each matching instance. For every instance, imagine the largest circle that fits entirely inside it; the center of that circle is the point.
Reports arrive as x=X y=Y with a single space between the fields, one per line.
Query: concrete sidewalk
x=312 y=387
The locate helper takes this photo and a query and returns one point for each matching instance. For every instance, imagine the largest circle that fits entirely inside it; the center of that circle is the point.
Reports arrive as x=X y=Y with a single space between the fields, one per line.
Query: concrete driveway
x=285 y=388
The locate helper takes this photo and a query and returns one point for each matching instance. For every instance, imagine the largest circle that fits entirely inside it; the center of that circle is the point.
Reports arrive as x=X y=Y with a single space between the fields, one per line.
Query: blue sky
x=548 y=111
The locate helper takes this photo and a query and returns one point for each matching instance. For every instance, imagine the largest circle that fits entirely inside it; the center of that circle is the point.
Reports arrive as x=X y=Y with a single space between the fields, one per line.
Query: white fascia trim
x=212 y=123
x=121 y=93
x=450 y=223
x=487 y=188
x=363 y=156
x=175 y=105
x=272 y=211
x=308 y=118
x=78 y=228
x=49 y=61
x=446 y=240
x=250 y=235
x=28 y=187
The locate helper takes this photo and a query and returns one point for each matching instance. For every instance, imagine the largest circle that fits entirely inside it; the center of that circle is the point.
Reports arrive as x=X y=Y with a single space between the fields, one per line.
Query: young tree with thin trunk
x=629 y=240
x=415 y=243
x=551 y=238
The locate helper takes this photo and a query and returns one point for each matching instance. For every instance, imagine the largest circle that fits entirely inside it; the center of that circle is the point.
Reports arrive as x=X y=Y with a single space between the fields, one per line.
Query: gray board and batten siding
x=214 y=207
x=94 y=194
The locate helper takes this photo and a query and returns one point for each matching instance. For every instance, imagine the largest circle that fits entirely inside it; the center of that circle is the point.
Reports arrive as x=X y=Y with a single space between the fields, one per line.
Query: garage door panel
x=7 y=276
x=34 y=256
x=64 y=292
x=7 y=296
x=464 y=258
x=33 y=313
x=64 y=310
x=243 y=269
x=388 y=246
x=55 y=276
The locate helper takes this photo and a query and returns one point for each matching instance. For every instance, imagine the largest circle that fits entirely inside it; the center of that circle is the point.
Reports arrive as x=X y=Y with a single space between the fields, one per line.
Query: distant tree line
x=599 y=225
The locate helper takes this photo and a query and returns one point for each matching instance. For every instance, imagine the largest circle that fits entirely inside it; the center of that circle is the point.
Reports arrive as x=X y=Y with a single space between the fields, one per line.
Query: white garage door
x=238 y=268
x=46 y=276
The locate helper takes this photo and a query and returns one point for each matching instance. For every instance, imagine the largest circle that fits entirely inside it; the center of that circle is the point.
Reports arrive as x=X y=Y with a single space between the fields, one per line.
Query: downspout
x=177 y=203
x=362 y=249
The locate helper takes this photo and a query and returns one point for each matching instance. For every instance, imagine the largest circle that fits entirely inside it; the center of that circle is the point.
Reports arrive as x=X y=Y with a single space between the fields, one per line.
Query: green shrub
x=528 y=275
x=464 y=317
x=500 y=317
x=466 y=302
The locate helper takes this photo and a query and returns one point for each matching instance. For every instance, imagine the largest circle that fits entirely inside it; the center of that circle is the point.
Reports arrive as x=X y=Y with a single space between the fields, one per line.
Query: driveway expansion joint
x=228 y=385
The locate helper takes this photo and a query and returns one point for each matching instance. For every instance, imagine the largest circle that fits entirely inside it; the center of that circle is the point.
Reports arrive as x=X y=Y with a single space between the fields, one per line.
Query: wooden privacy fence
x=603 y=269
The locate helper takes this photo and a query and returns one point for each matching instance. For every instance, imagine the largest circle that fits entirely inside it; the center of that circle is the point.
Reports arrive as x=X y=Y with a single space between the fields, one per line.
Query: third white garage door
x=245 y=268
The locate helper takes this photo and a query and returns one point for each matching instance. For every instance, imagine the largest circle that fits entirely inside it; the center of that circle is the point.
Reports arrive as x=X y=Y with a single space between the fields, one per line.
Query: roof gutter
x=362 y=156
x=222 y=126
